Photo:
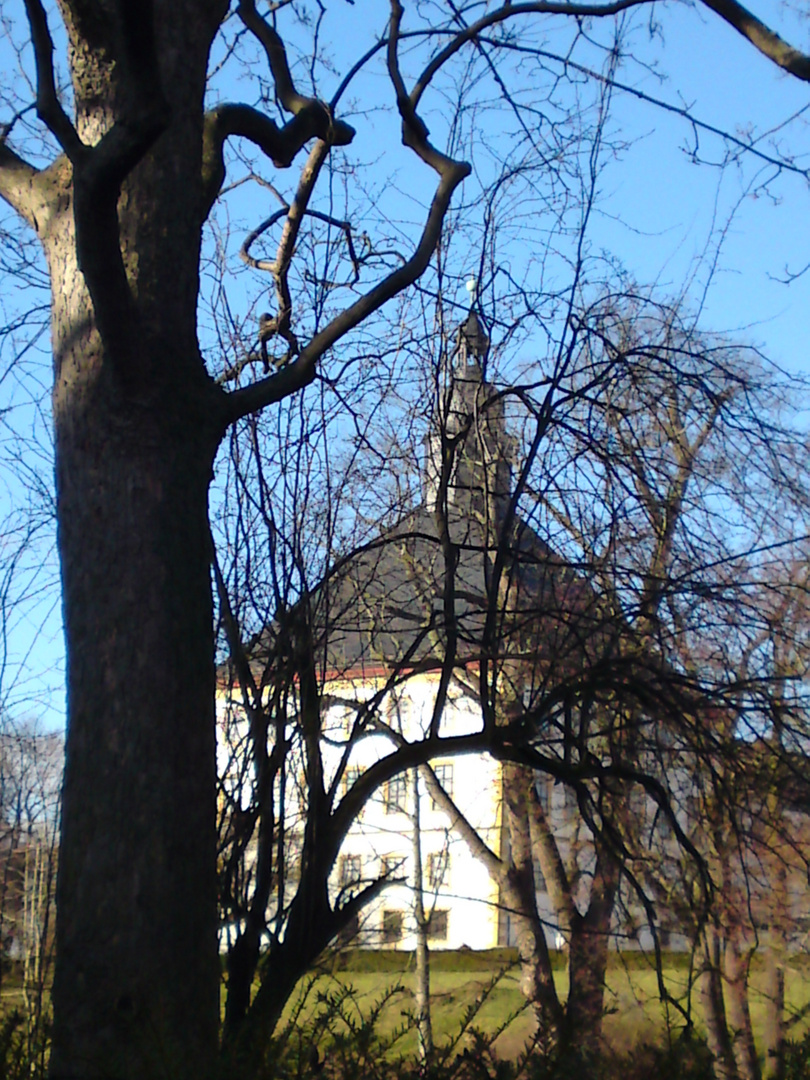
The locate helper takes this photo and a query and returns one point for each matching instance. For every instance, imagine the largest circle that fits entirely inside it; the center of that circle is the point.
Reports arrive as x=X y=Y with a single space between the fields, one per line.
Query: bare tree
x=668 y=471
x=117 y=191
x=748 y=819
x=30 y=779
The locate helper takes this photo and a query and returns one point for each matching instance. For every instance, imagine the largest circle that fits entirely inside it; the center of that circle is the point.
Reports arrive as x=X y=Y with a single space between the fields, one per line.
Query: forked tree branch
x=49 y=108
x=280 y=323
x=281 y=145
x=276 y=54
x=302 y=371
x=451 y=173
x=308 y=110
x=100 y=170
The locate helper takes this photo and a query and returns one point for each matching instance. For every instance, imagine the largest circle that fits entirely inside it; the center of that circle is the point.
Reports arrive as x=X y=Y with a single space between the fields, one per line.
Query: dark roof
x=386 y=604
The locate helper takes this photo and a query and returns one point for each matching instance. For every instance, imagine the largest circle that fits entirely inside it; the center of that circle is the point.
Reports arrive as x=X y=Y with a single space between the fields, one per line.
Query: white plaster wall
x=464 y=891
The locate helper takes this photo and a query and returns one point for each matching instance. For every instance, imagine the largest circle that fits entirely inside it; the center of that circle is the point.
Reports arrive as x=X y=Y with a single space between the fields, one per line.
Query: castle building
x=409 y=621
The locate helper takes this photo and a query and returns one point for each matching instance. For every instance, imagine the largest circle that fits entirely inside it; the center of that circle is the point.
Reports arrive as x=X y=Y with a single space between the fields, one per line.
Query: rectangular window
x=395 y=795
x=347 y=722
x=437 y=925
x=545 y=788
x=664 y=824
x=350 y=777
x=539 y=880
x=350 y=869
x=391 y=927
x=392 y=866
x=444 y=774
x=438 y=869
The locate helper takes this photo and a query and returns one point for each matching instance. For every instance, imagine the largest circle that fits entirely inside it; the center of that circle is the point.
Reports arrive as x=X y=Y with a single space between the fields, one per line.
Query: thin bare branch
x=508 y=11
x=302 y=371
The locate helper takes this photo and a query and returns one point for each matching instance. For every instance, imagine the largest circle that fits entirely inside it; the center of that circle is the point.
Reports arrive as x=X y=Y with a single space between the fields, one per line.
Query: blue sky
x=659 y=212
x=672 y=201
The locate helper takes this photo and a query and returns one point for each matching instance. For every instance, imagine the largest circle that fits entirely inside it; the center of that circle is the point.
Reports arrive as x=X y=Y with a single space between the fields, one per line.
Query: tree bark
x=773 y=1028
x=136 y=428
x=136 y=970
x=775 y=856
x=714 y=1012
x=424 y=1020
x=588 y=955
x=536 y=976
x=588 y=935
x=736 y=967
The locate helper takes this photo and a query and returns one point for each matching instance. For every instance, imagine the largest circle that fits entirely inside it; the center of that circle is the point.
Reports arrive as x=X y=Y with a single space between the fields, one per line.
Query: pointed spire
x=471 y=341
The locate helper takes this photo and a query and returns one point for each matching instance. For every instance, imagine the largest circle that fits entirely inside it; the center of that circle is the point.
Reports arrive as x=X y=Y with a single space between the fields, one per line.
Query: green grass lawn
x=634 y=1011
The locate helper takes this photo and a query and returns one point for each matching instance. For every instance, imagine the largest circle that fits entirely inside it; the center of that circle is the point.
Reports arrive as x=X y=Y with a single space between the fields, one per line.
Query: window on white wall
x=438 y=868
x=539 y=880
x=437 y=925
x=350 y=776
x=350 y=869
x=444 y=774
x=349 y=720
x=664 y=824
x=392 y=927
x=395 y=795
x=392 y=865
x=545 y=790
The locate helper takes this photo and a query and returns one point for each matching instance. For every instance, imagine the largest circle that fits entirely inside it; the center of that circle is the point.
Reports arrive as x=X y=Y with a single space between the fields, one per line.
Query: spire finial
x=472 y=342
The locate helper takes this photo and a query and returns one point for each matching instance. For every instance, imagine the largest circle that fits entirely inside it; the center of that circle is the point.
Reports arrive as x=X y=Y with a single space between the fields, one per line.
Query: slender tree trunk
x=424 y=1020
x=536 y=976
x=773 y=1037
x=736 y=970
x=775 y=855
x=588 y=936
x=714 y=1011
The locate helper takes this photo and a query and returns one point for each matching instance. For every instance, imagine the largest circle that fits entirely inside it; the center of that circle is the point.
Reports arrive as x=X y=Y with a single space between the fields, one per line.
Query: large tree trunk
x=135 y=987
x=136 y=983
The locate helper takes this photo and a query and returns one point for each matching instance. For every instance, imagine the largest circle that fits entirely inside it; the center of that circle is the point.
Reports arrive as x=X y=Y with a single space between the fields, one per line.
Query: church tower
x=468 y=430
